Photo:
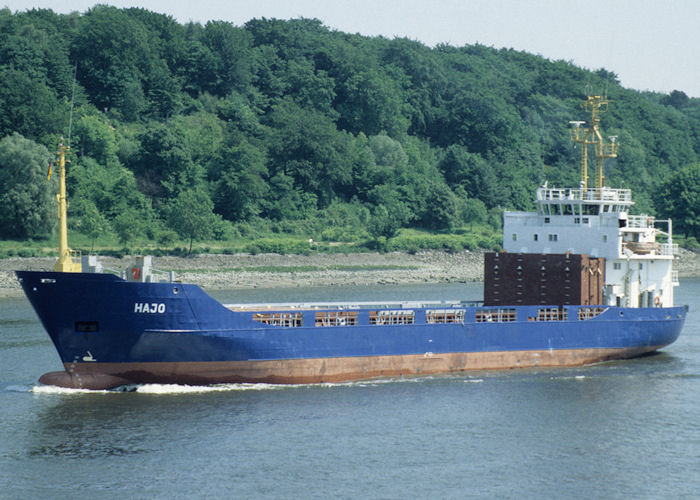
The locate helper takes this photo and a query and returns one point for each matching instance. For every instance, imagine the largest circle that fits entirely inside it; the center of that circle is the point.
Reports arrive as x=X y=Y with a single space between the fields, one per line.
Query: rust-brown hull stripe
x=308 y=371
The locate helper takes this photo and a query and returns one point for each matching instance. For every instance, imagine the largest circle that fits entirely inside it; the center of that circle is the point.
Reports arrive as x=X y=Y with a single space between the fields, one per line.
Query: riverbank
x=275 y=271
x=243 y=271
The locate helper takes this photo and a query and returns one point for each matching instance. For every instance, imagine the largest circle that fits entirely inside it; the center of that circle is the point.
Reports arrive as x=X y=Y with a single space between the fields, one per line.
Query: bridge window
x=591 y=209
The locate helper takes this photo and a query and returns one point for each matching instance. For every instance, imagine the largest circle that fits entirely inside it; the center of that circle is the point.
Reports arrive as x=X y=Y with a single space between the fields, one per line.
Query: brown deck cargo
x=543 y=279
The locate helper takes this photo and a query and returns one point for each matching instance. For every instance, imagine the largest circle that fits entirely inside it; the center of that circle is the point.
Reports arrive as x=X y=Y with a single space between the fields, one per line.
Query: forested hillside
x=232 y=133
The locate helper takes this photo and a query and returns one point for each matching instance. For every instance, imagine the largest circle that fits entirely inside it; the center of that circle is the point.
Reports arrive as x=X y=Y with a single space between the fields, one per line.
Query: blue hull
x=110 y=332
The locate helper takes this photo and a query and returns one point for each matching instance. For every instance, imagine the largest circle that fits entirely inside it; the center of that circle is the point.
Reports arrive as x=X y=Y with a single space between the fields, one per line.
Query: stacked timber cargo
x=543 y=279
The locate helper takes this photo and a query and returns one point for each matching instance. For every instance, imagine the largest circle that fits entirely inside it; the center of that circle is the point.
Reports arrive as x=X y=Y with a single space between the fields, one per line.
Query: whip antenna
x=72 y=98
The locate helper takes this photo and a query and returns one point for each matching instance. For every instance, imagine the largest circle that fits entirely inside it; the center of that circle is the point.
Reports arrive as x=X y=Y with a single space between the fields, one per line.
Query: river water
x=628 y=429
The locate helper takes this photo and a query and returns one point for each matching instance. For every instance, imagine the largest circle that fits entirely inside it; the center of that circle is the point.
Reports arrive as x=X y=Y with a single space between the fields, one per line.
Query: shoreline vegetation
x=245 y=271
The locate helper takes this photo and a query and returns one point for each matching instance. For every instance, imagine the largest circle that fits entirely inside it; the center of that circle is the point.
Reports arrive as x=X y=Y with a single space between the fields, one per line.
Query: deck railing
x=669 y=249
x=600 y=194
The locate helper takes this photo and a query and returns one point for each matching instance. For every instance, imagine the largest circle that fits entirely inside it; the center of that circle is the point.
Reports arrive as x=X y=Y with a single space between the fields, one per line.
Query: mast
x=591 y=135
x=65 y=262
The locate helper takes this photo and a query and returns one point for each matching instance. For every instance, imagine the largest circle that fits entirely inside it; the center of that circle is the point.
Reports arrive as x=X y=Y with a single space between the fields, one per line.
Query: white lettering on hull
x=151 y=308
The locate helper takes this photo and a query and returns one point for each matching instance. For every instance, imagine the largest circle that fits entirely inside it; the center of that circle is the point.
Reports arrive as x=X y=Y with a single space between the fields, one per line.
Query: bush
x=279 y=246
x=413 y=242
x=167 y=237
x=689 y=243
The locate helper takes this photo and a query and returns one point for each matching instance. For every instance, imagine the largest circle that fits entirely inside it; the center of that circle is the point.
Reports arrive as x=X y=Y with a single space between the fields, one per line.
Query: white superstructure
x=638 y=268
x=638 y=249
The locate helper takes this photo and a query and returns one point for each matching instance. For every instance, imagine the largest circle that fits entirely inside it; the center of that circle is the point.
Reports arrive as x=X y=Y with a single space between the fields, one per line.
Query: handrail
x=579 y=194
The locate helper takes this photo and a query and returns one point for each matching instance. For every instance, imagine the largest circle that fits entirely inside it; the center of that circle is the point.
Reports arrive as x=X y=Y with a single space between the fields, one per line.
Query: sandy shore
x=273 y=271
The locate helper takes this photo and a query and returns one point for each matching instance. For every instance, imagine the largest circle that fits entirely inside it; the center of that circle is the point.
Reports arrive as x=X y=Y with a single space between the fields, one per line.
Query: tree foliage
x=26 y=196
x=680 y=196
x=191 y=215
x=281 y=122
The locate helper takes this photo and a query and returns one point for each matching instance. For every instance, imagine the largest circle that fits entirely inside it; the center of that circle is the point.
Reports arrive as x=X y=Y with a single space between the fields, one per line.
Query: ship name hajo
x=145 y=307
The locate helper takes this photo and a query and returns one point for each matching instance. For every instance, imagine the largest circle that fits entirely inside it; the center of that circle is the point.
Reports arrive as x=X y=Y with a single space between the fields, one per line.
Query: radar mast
x=591 y=135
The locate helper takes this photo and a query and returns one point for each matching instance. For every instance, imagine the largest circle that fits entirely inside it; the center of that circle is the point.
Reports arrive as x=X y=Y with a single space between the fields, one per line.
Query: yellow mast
x=591 y=135
x=65 y=261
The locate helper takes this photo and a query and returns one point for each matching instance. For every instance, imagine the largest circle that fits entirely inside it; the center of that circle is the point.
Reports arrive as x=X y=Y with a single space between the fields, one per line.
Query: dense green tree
x=386 y=222
x=387 y=151
x=473 y=211
x=127 y=225
x=677 y=99
x=26 y=197
x=191 y=215
x=29 y=107
x=113 y=50
x=441 y=208
x=679 y=198
x=162 y=157
x=230 y=48
x=371 y=102
x=94 y=137
x=87 y=219
x=240 y=186
x=306 y=146
x=470 y=172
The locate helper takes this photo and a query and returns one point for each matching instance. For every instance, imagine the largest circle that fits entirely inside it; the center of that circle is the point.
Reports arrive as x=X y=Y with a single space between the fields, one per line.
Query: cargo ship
x=580 y=280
